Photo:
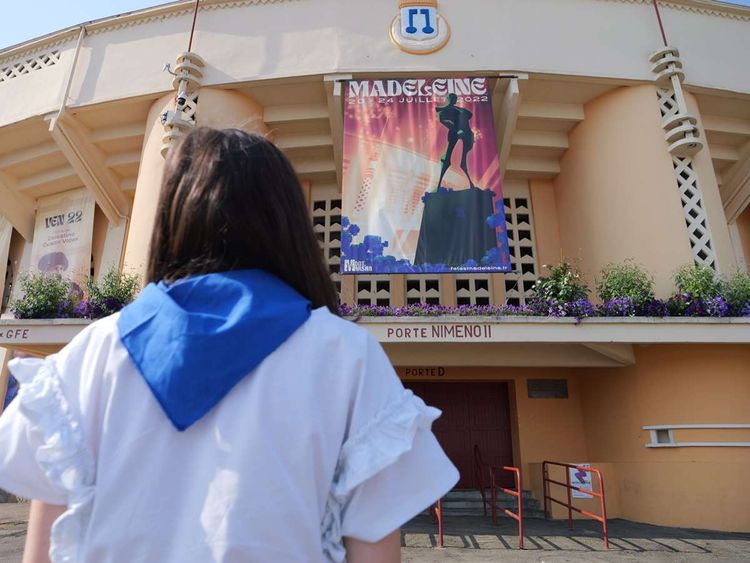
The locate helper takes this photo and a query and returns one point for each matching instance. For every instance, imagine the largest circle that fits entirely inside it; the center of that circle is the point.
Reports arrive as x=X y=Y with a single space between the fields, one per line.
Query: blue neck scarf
x=194 y=340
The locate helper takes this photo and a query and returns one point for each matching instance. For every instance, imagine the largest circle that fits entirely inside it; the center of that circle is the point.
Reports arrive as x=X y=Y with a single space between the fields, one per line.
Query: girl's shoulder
x=92 y=347
x=327 y=328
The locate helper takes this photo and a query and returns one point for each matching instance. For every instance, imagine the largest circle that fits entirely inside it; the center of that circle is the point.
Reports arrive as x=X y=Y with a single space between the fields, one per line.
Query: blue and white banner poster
x=63 y=235
x=422 y=189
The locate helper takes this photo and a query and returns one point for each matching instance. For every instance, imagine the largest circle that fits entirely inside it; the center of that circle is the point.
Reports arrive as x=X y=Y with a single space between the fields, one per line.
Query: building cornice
x=168 y=11
x=702 y=7
x=30 y=49
x=182 y=7
x=122 y=21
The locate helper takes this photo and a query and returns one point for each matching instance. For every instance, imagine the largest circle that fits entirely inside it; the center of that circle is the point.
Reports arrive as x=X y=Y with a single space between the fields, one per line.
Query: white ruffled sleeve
x=44 y=454
x=391 y=466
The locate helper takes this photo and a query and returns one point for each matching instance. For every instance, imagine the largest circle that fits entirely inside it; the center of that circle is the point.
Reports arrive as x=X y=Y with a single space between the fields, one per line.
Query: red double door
x=473 y=414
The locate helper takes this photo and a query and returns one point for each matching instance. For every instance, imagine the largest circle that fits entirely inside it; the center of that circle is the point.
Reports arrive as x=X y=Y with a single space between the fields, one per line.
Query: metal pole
x=545 y=488
x=520 y=510
x=661 y=24
x=604 y=511
x=494 y=499
x=441 y=542
x=192 y=29
x=570 y=500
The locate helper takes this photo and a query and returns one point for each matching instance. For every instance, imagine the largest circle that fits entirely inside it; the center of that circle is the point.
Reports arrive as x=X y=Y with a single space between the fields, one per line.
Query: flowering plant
x=708 y=307
x=563 y=285
x=618 y=307
x=625 y=290
x=45 y=296
x=736 y=290
x=111 y=293
x=697 y=281
x=51 y=296
x=626 y=280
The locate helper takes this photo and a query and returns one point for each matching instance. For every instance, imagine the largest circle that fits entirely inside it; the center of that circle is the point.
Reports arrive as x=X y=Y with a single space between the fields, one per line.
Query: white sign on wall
x=419 y=28
x=582 y=480
x=63 y=235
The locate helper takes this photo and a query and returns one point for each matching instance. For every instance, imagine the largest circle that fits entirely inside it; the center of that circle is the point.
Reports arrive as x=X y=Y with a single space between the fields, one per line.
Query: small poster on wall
x=581 y=479
x=6 y=231
x=63 y=235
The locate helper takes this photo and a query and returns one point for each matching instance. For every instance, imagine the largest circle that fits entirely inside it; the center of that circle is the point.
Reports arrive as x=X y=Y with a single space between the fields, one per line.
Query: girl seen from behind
x=228 y=414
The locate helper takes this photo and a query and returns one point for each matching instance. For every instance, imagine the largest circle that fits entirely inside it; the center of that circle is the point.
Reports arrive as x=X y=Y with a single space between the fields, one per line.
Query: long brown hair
x=230 y=200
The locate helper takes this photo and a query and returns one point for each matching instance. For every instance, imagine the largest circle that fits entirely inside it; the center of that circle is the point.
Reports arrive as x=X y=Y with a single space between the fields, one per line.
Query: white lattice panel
x=473 y=290
x=668 y=104
x=695 y=215
x=191 y=107
x=326 y=216
x=28 y=66
x=421 y=289
x=691 y=197
x=374 y=290
x=520 y=283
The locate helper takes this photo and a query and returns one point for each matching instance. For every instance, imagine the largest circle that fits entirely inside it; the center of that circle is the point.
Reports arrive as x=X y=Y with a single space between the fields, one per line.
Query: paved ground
x=12 y=531
x=475 y=539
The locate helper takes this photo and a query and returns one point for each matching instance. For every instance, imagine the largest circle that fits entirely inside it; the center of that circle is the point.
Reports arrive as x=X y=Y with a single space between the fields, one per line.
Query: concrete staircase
x=469 y=503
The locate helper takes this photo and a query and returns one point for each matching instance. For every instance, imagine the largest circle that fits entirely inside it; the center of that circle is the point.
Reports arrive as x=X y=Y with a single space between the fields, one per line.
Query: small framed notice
x=581 y=479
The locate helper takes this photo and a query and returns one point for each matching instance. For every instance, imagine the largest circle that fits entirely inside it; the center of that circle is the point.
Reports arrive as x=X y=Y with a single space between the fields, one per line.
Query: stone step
x=533 y=513
x=466 y=499
x=527 y=514
x=501 y=501
x=469 y=503
x=475 y=494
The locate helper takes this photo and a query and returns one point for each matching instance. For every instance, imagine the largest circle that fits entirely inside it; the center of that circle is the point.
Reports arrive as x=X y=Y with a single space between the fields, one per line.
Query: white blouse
x=319 y=442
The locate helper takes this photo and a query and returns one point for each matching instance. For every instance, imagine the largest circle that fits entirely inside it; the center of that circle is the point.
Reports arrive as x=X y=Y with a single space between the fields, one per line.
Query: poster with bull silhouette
x=63 y=235
x=422 y=190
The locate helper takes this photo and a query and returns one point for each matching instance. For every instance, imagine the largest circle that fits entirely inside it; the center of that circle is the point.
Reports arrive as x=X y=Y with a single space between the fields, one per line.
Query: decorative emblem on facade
x=419 y=28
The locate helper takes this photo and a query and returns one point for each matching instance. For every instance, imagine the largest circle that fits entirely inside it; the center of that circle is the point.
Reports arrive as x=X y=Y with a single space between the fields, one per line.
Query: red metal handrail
x=517 y=492
x=599 y=494
x=479 y=467
x=437 y=513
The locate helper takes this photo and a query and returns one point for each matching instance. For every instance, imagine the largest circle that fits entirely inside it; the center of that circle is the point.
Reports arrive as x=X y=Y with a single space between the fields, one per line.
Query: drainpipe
x=71 y=73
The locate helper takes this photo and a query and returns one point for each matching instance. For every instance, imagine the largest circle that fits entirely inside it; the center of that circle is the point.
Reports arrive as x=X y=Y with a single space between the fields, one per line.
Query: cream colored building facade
x=612 y=146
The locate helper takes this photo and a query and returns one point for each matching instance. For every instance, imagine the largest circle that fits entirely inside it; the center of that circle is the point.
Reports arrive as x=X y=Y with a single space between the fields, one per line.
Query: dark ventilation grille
x=548 y=388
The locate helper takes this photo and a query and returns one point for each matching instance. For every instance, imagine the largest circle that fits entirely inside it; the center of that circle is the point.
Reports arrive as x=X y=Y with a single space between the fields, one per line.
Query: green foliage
x=564 y=284
x=626 y=279
x=50 y=296
x=699 y=282
x=736 y=290
x=111 y=293
x=45 y=296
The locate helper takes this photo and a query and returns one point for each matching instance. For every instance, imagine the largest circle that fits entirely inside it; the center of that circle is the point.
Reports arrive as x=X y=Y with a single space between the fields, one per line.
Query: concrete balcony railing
x=474 y=341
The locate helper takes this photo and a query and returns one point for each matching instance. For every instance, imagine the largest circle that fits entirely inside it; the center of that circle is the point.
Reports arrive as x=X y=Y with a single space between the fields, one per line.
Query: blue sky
x=26 y=20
